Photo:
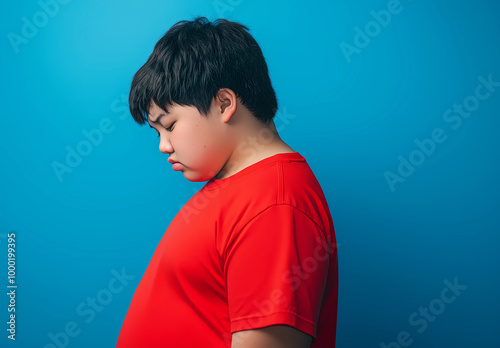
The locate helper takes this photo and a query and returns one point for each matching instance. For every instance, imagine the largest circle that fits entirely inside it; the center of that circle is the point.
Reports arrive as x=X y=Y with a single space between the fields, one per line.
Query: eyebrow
x=158 y=119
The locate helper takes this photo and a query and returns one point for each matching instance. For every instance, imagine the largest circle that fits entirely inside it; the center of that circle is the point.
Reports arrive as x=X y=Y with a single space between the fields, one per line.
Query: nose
x=165 y=145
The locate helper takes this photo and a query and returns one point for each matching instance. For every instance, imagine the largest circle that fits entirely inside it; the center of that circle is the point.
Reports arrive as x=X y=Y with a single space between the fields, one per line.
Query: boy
x=250 y=260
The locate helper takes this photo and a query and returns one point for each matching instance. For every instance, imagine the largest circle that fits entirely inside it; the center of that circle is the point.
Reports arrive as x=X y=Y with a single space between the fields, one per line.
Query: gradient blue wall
x=358 y=91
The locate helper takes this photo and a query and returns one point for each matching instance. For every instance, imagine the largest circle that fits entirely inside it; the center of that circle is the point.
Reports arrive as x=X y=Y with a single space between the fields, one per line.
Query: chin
x=196 y=177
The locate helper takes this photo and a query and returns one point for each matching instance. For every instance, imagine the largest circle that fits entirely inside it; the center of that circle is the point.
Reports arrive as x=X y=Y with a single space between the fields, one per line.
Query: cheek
x=204 y=138
x=195 y=144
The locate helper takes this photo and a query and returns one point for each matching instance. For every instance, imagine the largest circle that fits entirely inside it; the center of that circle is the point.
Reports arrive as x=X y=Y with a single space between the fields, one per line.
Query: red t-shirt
x=251 y=250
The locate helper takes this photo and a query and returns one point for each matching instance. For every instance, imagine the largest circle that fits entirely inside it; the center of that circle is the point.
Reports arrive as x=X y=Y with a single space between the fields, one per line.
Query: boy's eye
x=167 y=128
x=170 y=128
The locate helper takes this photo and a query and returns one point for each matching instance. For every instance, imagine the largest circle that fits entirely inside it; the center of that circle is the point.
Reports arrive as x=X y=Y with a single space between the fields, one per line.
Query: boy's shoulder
x=263 y=174
x=283 y=178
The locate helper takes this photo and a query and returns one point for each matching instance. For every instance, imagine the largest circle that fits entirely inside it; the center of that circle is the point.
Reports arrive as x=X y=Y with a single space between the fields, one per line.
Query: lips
x=172 y=161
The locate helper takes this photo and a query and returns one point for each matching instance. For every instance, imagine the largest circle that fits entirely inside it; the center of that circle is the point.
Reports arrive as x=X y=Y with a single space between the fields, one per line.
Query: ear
x=226 y=103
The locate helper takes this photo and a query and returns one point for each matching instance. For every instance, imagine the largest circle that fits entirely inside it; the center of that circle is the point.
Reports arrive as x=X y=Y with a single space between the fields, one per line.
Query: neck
x=257 y=143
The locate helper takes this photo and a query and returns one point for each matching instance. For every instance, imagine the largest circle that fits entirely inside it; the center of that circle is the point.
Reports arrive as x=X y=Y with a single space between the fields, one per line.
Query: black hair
x=195 y=59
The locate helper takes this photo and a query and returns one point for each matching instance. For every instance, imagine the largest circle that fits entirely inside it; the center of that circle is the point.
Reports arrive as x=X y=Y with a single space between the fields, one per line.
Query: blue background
x=350 y=120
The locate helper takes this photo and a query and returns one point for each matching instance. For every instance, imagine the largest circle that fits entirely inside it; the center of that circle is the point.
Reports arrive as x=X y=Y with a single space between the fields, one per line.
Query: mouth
x=176 y=166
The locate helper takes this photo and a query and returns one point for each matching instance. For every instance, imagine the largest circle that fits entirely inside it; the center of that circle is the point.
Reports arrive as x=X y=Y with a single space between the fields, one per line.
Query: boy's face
x=202 y=144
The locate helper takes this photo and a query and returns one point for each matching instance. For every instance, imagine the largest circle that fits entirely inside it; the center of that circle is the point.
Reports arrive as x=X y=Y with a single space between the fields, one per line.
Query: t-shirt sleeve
x=276 y=268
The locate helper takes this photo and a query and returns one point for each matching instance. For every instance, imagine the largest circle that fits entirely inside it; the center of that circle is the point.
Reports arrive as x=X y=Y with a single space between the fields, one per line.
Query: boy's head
x=195 y=59
x=204 y=88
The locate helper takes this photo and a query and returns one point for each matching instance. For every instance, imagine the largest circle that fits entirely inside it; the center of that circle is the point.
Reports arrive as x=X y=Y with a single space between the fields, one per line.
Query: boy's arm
x=275 y=336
